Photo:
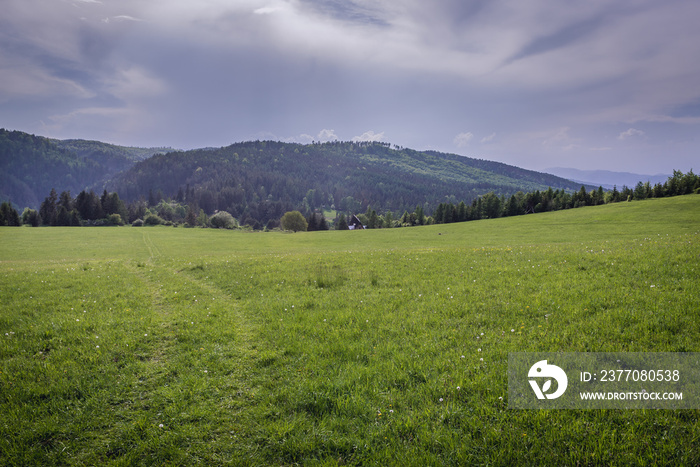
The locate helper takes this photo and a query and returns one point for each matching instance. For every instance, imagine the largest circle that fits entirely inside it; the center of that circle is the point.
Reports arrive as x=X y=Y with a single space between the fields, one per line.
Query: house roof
x=354 y=223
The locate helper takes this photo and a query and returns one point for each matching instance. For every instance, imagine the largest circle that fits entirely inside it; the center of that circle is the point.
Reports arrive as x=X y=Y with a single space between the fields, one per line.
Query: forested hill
x=263 y=179
x=32 y=165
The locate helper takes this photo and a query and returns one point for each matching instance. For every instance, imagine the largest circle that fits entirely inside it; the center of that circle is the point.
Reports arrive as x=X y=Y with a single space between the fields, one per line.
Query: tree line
x=109 y=209
x=90 y=209
x=490 y=205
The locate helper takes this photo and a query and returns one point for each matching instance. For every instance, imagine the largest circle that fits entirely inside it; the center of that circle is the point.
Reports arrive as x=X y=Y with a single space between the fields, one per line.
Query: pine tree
x=615 y=195
x=373 y=221
x=420 y=215
x=47 y=211
x=461 y=212
x=62 y=217
x=191 y=217
x=9 y=215
x=388 y=220
x=513 y=208
x=440 y=213
x=311 y=224
x=66 y=201
x=202 y=219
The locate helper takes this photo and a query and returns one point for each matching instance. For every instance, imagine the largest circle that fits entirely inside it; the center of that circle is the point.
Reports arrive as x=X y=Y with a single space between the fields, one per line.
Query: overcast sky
x=534 y=83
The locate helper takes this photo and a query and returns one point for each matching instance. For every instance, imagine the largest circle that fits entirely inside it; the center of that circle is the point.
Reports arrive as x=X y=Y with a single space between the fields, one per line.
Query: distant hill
x=32 y=165
x=259 y=180
x=606 y=178
x=262 y=179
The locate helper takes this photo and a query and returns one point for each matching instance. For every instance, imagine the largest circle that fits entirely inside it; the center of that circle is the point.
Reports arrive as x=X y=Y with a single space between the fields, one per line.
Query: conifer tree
x=373 y=222
x=48 y=208
x=9 y=215
x=191 y=217
x=420 y=215
x=311 y=223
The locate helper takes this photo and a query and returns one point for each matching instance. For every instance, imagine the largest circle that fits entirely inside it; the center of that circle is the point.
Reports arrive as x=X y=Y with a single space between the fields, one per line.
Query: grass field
x=174 y=346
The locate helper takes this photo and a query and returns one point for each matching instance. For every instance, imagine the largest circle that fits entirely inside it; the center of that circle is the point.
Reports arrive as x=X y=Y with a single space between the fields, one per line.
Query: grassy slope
x=339 y=347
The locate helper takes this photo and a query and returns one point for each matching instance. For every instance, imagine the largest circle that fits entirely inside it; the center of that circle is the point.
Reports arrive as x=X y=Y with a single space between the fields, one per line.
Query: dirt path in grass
x=197 y=322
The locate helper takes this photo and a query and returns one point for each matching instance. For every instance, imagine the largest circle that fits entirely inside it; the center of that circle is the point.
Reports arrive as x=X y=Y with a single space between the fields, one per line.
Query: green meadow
x=175 y=346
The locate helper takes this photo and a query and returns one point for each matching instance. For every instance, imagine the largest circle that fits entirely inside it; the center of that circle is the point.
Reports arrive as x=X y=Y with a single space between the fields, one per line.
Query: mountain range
x=259 y=179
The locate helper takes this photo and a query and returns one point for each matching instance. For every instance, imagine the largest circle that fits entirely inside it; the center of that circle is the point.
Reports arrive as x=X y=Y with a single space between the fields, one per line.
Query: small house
x=354 y=223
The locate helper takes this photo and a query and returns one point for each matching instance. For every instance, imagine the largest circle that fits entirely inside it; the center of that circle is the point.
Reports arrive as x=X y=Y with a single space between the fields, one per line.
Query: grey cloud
x=687 y=110
x=347 y=10
x=190 y=74
x=562 y=37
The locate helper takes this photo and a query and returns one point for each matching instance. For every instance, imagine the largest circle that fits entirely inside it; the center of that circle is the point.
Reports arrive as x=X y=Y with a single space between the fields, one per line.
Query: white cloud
x=266 y=10
x=119 y=18
x=136 y=83
x=632 y=132
x=369 y=136
x=463 y=139
x=303 y=139
x=326 y=135
x=488 y=139
x=323 y=136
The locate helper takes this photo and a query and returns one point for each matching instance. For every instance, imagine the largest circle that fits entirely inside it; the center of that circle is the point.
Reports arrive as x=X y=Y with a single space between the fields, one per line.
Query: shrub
x=138 y=223
x=223 y=220
x=115 y=219
x=294 y=221
x=153 y=219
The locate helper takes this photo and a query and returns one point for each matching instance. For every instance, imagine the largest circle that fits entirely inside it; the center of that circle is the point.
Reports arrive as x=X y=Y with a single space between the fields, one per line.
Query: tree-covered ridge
x=110 y=155
x=263 y=179
x=32 y=165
